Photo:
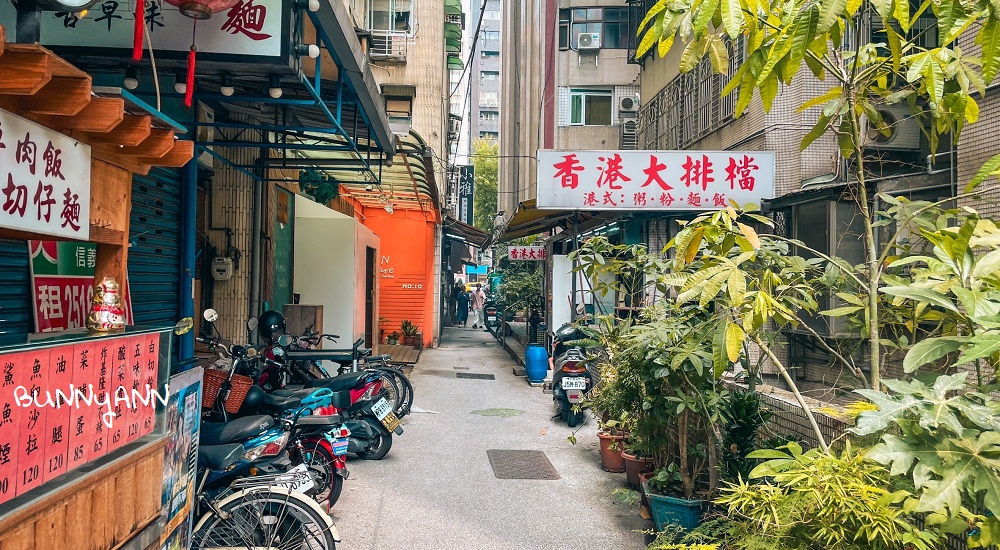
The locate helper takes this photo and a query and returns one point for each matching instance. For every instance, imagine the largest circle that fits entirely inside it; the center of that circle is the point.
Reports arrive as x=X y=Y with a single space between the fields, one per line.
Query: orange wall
x=405 y=269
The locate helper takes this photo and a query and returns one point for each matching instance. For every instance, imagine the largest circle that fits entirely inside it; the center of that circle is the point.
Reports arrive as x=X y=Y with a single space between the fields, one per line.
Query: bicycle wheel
x=406 y=389
x=328 y=485
x=268 y=517
x=390 y=389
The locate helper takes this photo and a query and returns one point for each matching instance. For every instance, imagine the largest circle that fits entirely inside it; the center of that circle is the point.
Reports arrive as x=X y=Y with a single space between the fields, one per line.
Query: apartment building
x=484 y=84
x=568 y=84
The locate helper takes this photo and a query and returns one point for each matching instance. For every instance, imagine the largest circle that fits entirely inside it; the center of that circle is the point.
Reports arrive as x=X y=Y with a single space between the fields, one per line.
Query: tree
x=484 y=158
x=937 y=83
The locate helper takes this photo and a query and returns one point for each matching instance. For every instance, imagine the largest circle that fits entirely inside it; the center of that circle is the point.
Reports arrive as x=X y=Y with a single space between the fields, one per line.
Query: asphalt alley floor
x=436 y=489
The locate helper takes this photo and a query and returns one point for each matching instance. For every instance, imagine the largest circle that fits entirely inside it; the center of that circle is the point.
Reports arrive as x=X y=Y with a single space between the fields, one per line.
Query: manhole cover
x=475 y=376
x=516 y=464
x=461 y=368
x=499 y=412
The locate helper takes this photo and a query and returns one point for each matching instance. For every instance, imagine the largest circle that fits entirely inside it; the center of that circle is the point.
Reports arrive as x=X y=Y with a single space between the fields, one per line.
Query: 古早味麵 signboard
x=653 y=180
x=44 y=180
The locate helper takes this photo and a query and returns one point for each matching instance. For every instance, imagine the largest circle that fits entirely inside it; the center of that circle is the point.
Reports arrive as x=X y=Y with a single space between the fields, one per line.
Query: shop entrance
x=369 y=296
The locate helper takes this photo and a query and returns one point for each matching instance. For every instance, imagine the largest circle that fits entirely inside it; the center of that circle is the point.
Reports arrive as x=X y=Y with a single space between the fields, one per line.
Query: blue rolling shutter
x=154 y=257
x=15 y=288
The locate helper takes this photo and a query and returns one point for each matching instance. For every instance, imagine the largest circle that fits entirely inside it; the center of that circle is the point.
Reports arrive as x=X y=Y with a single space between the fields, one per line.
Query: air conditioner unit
x=630 y=135
x=629 y=104
x=903 y=130
x=588 y=41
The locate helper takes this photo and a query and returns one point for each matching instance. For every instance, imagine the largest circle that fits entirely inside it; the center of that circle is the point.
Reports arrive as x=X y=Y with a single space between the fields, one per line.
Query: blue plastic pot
x=673 y=511
x=536 y=362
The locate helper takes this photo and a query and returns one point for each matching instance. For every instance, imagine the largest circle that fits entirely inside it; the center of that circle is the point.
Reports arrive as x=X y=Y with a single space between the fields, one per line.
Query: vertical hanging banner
x=44 y=180
x=466 y=193
x=62 y=283
x=657 y=181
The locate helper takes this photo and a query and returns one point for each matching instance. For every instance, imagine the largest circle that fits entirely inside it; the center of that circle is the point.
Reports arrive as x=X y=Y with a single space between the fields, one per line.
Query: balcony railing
x=489 y=102
x=387 y=46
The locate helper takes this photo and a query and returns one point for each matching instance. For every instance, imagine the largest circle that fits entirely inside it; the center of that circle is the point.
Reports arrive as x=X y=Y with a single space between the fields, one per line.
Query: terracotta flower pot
x=409 y=340
x=635 y=465
x=611 y=452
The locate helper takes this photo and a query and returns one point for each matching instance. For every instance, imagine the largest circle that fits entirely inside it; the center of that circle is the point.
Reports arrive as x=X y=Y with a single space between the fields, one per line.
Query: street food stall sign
x=660 y=181
x=44 y=180
x=526 y=253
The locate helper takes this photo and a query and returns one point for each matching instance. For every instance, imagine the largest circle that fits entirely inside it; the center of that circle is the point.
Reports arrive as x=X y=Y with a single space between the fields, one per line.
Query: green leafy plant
x=947 y=442
x=408 y=328
x=318 y=185
x=743 y=415
x=818 y=500
x=394 y=336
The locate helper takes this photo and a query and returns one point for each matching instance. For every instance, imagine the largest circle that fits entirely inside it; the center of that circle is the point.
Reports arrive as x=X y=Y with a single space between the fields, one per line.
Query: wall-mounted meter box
x=222 y=269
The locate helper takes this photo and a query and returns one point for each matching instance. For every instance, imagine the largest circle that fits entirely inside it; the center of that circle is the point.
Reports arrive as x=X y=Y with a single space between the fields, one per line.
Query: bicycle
x=262 y=512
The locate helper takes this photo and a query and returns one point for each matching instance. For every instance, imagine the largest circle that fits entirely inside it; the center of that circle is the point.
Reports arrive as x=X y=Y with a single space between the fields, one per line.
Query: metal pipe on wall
x=189 y=214
x=256 y=227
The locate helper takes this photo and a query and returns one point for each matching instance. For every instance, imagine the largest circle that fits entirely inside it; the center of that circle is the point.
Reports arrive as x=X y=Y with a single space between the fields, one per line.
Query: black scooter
x=570 y=380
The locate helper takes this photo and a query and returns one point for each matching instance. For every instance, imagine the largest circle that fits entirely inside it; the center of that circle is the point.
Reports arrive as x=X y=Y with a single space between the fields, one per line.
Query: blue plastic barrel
x=536 y=362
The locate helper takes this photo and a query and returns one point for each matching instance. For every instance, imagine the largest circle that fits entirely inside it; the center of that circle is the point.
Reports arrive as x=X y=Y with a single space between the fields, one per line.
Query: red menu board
x=58 y=406
x=34 y=367
x=10 y=379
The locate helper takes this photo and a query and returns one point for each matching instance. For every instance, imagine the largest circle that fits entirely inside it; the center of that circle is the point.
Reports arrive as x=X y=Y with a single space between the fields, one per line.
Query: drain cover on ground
x=475 y=376
x=499 y=412
x=515 y=464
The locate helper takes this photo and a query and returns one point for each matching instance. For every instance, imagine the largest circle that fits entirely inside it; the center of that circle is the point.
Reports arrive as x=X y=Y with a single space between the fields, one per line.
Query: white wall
x=562 y=286
x=326 y=266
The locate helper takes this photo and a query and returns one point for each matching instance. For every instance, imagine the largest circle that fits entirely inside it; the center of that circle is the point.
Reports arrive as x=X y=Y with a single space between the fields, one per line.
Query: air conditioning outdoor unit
x=630 y=135
x=628 y=104
x=587 y=41
x=903 y=127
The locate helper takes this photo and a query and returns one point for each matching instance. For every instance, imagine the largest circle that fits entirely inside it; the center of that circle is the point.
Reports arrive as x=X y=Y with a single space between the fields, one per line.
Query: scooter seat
x=219 y=457
x=241 y=429
x=277 y=403
x=337 y=383
x=337 y=356
x=297 y=393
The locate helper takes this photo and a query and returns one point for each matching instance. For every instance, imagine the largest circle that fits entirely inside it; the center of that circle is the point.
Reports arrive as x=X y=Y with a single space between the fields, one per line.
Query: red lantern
x=202 y=9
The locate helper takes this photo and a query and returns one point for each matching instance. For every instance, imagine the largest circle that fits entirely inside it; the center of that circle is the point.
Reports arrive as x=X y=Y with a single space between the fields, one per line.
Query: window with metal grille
x=610 y=24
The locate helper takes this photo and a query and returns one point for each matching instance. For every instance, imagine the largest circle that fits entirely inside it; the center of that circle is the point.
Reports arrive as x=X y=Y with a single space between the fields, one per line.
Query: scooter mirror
x=251 y=352
x=285 y=340
x=252 y=324
x=183 y=326
x=210 y=315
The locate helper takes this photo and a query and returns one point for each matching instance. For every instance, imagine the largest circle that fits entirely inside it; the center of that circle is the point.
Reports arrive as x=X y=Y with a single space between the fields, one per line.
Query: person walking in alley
x=478 y=302
x=462 y=299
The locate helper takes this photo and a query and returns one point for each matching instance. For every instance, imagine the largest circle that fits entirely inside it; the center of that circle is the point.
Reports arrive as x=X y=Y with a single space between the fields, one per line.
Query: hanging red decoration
x=202 y=9
x=189 y=92
x=138 y=29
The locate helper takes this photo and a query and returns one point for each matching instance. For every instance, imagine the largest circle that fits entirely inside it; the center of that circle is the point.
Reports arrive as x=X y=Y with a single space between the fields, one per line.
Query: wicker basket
x=213 y=384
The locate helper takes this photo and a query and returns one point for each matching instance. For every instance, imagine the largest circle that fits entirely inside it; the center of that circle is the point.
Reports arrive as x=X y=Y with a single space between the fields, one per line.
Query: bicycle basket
x=213 y=384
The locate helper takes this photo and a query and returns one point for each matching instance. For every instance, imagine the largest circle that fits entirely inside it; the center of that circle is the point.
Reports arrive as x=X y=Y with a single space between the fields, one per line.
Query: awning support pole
x=576 y=246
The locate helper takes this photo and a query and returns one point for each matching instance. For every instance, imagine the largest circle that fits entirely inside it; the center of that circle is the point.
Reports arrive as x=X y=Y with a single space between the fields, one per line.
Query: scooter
x=570 y=380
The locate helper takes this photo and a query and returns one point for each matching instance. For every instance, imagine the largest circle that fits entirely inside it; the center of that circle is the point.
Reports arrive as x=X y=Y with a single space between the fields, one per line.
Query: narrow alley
x=436 y=489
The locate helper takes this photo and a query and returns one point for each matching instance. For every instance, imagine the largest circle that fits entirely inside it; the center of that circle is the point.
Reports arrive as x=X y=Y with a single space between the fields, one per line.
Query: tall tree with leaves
x=485 y=154
x=938 y=84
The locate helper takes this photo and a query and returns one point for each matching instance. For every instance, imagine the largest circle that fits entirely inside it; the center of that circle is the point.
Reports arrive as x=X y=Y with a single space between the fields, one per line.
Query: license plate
x=340 y=447
x=296 y=479
x=381 y=408
x=391 y=421
x=575 y=383
x=491 y=318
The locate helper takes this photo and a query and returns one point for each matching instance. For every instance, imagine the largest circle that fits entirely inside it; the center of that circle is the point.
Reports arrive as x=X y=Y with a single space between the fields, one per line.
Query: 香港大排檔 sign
x=44 y=180
x=652 y=180
x=527 y=253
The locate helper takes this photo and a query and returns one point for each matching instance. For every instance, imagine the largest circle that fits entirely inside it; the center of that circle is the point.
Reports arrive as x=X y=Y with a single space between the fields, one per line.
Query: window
x=491 y=54
x=489 y=115
x=491 y=35
x=493 y=15
x=489 y=75
x=489 y=135
x=590 y=107
x=391 y=15
x=489 y=99
x=610 y=23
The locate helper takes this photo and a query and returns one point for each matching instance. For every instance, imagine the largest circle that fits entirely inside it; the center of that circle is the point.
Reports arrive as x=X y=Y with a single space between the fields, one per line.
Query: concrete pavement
x=436 y=489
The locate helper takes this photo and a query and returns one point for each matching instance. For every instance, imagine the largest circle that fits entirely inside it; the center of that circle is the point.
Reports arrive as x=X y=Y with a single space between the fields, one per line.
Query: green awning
x=452 y=30
x=453 y=7
x=455 y=64
x=452 y=45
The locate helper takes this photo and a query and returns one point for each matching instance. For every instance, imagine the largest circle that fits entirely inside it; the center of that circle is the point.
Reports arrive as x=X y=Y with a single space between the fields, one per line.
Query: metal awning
x=529 y=220
x=453 y=7
x=455 y=63
x=464 y=232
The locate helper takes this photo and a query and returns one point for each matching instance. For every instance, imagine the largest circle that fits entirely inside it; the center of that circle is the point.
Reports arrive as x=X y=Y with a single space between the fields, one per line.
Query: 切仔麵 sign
x=44 y=180
x=652 y=180
x=527 y=253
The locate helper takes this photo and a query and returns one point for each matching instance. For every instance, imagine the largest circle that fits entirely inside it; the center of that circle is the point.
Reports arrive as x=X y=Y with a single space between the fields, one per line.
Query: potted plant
x=612 y=444
x=668 y=510
x=635 y=464
x=409 y=332
x=393 y=338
